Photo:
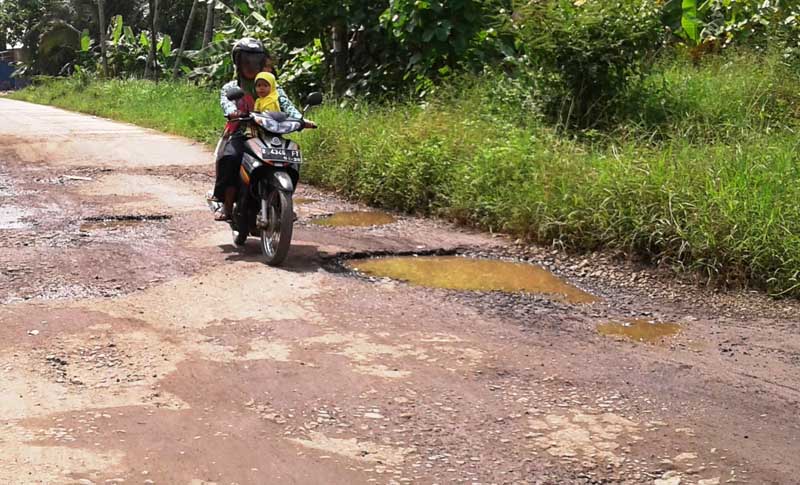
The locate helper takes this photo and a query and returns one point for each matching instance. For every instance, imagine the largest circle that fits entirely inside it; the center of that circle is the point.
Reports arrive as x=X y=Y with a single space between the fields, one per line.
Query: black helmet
x=249 y=50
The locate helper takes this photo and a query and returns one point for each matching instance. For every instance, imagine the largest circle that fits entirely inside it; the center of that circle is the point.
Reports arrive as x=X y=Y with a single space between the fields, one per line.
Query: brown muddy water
x=112 y=225
x=470 y=274
x=304 y=200
x=639 y=330
x=355 y=219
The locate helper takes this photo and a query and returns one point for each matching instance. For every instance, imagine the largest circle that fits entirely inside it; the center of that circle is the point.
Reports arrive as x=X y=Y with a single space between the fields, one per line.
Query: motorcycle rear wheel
x=276 y=238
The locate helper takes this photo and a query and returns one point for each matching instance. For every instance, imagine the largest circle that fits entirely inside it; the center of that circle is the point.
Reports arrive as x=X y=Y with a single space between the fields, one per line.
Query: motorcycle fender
x=283 y=182
x=218 y=150
x=250 y=163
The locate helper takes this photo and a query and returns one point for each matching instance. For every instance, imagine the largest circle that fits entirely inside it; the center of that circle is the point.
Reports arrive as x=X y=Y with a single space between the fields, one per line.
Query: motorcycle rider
x=249 y=59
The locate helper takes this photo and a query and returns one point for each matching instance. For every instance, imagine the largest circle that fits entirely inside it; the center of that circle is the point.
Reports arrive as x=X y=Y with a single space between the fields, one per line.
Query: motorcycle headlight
x=277 y=127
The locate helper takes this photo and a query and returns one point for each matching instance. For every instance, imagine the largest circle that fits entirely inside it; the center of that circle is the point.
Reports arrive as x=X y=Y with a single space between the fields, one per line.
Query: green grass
x=725 y=99
x=178 y=108
x=701 y=174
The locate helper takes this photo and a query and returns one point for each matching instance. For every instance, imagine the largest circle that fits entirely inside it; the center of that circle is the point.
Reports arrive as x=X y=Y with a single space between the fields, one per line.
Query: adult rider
x=249 y=58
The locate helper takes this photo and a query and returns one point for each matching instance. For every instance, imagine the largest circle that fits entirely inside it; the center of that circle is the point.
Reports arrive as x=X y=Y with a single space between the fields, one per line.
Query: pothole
x=472 y=274
x=355 y=219
x=639 y=330
x=106 y=223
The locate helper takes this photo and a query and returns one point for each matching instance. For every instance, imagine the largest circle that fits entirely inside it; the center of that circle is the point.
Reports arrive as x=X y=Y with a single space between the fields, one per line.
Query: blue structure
x=6 y=81
x=8 y=60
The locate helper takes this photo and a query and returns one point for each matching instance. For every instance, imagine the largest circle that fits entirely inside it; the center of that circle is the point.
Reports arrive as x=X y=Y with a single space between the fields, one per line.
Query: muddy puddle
x=111 y=223
x=470 y=274
x=355 y=219
x=304 y=200
x=639 y=330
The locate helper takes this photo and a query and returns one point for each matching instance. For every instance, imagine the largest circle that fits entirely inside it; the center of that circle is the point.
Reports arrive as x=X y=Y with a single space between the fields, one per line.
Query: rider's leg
x=227 y=175
x=230 y=198
x=223 y=177
x=224 y=191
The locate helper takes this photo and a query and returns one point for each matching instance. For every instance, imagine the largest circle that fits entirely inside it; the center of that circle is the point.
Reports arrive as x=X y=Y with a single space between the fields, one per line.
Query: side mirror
x=235 y=94
x=314 y=99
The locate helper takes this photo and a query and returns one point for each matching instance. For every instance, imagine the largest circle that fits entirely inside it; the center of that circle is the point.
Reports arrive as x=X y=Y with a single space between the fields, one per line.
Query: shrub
x=591 y=50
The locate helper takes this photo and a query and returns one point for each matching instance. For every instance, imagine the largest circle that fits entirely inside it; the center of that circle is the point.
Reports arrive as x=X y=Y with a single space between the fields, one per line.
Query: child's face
x=262 y=88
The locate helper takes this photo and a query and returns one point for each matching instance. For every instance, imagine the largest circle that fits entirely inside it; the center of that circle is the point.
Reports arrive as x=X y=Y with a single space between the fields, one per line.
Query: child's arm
x=287 y=106
x=227 y=106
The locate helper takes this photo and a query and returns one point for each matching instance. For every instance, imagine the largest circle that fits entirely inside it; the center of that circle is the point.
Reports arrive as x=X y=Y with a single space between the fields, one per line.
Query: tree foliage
x=582 y=53
x=439 y=36
x=715 y=24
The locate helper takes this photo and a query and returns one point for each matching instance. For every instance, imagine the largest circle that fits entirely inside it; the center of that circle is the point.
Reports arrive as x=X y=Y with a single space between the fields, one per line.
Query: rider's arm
x=228 y=106
x=287 y=106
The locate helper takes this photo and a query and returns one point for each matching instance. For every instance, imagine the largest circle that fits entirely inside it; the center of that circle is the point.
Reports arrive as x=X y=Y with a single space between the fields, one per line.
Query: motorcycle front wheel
x=276 y=237
x=238 y=225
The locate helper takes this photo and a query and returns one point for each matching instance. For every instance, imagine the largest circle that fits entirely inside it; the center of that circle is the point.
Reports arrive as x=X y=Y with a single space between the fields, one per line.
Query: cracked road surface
x=139 y=346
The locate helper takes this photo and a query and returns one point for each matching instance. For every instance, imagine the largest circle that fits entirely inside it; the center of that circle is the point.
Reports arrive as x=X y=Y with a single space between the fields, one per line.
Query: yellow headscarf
x=269 y=102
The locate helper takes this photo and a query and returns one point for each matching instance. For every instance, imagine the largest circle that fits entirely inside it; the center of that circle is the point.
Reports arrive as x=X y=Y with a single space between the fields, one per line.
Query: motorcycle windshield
x=277 y=123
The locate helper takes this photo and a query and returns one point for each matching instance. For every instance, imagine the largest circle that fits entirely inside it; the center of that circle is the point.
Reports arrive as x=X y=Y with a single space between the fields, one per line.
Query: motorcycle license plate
x=282 y=155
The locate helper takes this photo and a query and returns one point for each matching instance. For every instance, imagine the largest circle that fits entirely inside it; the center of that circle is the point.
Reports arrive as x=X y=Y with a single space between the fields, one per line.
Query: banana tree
x=186 y=32
x=208 y=29
x=151 y=69
x=127 y=51
x=59 y=44
x=720 y=22
x=101 y=15
x=246 y=18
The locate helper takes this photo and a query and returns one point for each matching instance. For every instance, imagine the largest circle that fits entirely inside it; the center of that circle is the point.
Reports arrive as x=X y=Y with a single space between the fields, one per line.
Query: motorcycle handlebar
x=249 y=117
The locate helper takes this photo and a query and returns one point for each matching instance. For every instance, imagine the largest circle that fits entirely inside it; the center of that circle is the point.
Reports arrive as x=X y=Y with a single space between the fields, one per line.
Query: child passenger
x=267 y=92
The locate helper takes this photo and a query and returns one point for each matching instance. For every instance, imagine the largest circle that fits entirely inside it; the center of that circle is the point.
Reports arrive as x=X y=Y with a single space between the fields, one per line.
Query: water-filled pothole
x=355 y=219
x=304 y=200
x=472 y=274
x=106 y=223
x=639 y=330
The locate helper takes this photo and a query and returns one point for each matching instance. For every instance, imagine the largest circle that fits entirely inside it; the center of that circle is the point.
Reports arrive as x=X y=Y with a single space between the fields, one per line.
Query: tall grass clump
x=721 y=99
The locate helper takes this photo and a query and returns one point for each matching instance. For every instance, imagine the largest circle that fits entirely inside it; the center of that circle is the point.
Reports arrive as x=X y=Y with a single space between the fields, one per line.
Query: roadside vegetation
x=583 y=125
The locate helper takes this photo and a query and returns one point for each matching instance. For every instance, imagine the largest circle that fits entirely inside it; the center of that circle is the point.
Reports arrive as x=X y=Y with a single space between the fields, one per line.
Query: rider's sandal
x=222 y=216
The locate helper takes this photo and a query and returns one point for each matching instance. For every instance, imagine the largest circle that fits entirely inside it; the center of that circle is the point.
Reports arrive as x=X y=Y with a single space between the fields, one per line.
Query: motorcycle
x=268 y=175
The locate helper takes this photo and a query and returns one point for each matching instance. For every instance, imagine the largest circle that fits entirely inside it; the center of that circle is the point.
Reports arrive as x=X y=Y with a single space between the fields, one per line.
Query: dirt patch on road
x=86 y=369
x=26 y=461
x=138 y=193
x=201 y=300
x=585 y=437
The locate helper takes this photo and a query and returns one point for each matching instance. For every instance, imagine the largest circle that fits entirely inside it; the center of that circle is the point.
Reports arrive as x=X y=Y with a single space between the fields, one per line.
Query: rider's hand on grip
x=238 y=114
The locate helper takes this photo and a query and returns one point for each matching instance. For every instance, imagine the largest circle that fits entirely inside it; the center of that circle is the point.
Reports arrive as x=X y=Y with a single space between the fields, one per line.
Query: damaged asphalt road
x=139 y=346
